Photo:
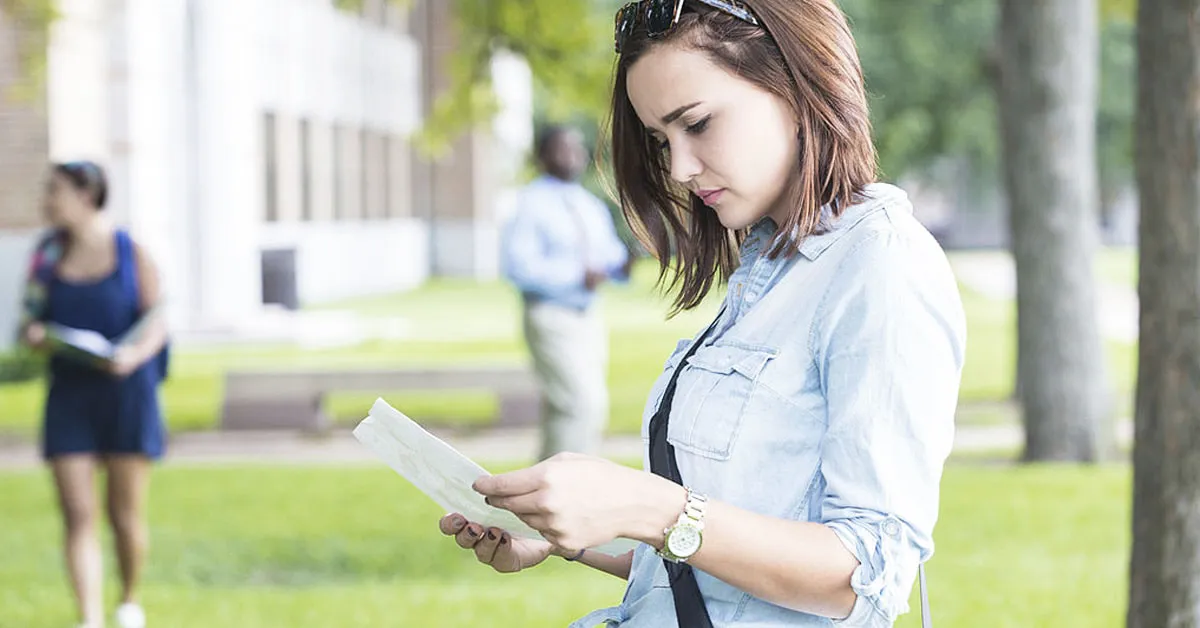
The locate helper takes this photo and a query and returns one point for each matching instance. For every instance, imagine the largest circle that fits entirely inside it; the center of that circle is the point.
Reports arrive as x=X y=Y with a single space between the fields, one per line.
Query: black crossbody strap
x=689 y=602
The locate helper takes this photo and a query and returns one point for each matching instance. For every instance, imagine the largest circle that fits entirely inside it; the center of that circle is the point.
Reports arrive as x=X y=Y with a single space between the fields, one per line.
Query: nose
x=685 y=166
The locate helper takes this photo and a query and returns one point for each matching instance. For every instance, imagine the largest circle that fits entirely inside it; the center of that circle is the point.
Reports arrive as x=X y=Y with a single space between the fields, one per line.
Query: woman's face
x=66 y=206
x=731 y=143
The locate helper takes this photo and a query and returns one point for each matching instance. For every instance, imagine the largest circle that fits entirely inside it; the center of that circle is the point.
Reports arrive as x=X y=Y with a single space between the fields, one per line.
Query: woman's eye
x=699 y=127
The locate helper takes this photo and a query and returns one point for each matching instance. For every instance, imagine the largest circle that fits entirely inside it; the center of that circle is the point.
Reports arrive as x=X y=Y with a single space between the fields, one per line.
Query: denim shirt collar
x=875 y=197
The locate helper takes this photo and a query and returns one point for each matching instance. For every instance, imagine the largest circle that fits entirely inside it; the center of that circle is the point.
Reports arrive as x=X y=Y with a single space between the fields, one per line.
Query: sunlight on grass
x=280 y=546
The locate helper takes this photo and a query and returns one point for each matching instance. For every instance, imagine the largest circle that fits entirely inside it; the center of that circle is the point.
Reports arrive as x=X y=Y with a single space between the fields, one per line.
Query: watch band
x=695 y=506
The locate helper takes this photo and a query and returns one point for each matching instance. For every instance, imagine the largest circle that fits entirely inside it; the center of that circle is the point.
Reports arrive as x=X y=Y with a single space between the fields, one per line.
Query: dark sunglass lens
x=660 y=16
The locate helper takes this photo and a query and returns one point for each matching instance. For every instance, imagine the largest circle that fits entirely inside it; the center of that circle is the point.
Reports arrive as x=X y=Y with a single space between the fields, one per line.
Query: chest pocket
x=711 y=397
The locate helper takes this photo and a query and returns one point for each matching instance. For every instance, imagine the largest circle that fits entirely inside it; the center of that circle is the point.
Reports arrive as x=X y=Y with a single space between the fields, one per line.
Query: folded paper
x=442 y=473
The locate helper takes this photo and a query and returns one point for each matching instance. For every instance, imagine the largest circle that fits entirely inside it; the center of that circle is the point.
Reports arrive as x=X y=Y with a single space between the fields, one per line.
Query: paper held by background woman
x=442 y=473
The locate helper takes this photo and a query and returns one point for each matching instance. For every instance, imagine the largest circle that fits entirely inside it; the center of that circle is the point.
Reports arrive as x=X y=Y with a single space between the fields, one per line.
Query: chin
x=735 y=220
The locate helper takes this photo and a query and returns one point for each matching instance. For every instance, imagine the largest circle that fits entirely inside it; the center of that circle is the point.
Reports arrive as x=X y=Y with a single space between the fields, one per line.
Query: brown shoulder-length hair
x=803 y=52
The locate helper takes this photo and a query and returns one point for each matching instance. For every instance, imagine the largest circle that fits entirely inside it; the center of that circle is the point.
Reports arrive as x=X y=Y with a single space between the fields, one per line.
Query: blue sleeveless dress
x=91 y=411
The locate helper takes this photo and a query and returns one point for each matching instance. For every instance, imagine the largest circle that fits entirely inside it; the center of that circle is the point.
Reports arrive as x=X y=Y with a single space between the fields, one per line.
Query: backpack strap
x=131 y=284
x=128 y=264
x=42 y=266
x=926 y=619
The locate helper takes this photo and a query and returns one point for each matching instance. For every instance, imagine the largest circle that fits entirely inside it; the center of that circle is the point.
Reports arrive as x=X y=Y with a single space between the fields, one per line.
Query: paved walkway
x=493 y=447
x=993 y=275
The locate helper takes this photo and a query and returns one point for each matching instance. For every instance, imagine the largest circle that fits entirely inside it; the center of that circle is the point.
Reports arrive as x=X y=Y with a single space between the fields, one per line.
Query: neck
x=94 y=230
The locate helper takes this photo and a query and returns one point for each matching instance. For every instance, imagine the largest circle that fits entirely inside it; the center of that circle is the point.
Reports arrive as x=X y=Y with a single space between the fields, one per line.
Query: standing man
x=559 y=247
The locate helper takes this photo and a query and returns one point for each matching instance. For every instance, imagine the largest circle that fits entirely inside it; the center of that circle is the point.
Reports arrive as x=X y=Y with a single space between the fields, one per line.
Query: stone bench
x=292 y=399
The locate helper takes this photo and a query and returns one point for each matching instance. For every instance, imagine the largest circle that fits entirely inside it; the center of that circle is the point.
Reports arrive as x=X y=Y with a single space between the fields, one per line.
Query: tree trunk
x=1048 y=96
x=1165 y=566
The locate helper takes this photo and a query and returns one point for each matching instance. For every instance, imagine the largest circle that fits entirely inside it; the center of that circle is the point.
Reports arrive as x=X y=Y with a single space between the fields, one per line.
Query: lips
x=710 y=196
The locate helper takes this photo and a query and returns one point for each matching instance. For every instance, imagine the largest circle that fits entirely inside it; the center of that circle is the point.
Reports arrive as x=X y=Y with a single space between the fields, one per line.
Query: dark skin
x=565 y=157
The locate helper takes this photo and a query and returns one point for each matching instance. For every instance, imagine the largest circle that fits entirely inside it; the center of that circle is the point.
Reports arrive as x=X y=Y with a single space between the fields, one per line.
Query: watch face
x=684 y=540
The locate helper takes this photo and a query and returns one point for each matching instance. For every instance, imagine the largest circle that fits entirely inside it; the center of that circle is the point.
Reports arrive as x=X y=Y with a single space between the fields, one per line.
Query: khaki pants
x=570 y=356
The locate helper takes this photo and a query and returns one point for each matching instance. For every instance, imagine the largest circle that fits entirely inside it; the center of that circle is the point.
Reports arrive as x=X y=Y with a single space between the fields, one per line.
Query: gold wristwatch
x=682 y=540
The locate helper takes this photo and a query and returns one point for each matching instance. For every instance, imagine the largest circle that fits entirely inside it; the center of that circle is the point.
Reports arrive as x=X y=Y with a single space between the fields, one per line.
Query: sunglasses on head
x=661 y=16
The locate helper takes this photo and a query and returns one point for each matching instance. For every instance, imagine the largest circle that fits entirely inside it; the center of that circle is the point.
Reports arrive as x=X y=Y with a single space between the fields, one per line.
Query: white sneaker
x=131 y=616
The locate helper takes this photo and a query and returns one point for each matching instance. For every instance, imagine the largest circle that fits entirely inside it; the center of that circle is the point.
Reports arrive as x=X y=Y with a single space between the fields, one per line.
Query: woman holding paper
x=795 y=448
x=101 y=410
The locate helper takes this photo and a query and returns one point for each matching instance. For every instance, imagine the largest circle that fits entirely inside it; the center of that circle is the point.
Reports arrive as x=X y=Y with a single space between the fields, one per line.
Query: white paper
x=442 y=473
x=87 y=341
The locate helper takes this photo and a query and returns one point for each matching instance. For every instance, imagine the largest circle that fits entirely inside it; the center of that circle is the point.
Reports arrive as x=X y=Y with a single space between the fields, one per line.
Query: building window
x=375 y=171
x=306 y=174
x=271 y=167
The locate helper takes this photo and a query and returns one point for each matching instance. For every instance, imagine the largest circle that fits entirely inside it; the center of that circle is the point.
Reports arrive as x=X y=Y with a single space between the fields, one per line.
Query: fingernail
x=491 y=535
x=504 y=540
x=472 y=533
x=487 y=500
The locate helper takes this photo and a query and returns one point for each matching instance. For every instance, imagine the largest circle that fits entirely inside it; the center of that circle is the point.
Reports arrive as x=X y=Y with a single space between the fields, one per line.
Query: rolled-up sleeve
x=890 y=338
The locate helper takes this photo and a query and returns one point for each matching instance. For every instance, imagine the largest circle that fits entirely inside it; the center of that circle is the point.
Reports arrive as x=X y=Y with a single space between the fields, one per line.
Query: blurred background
x=323 y=185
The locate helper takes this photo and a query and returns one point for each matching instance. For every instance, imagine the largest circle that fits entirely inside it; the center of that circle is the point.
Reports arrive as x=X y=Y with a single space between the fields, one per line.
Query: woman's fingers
x=485 y=549
x=452 y=524
x=471 y=534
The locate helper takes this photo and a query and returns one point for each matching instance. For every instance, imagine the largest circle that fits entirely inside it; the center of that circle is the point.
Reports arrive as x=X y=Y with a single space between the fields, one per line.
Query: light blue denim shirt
x=826 y=393
x=559 y=230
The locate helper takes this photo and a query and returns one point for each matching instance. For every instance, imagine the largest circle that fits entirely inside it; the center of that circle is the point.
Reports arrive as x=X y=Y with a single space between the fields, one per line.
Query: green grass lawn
x=357 y=546
x=467 y=322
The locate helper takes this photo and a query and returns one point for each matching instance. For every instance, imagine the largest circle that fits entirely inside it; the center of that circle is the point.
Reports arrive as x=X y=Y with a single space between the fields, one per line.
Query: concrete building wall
x=234 y=129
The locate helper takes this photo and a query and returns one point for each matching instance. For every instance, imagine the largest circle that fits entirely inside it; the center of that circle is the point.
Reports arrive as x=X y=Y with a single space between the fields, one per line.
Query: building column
x=460 y=193
x=228 y=186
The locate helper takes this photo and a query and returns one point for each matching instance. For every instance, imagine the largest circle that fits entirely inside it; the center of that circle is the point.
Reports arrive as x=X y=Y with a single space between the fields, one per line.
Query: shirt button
x=891 y=528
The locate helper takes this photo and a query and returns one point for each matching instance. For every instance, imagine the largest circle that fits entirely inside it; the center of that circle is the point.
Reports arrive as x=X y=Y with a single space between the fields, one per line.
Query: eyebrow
x=675 y=115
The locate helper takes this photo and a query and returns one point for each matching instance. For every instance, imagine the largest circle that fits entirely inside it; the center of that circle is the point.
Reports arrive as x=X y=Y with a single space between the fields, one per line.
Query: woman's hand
x=494 y=546
x=578 y=501
x=124 y=362
x=35 y=335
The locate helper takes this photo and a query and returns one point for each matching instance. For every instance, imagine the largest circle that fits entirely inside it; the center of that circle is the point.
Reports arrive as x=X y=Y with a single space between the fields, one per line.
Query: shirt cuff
x=876 y=545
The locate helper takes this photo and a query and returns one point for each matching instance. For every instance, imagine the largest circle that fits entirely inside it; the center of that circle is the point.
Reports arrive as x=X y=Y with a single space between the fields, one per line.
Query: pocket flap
x=727 y=358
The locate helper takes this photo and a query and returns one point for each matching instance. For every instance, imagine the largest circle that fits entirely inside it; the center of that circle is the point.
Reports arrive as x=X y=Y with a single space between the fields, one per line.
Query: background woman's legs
x=128 y=480
x=74 y=476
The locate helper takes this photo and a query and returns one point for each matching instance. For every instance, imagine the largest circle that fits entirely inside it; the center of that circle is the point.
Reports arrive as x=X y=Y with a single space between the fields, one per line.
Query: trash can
x=279 y=278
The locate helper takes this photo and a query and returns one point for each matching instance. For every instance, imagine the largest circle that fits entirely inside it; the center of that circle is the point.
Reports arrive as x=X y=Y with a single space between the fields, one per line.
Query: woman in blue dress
x=88 y=275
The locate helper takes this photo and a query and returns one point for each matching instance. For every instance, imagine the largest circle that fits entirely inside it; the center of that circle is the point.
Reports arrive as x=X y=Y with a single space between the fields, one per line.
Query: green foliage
x=928 y=73
x=930 y=67
x=1114 y=117
x=20 y=366
x=929 y=64
x=559 y=41
x=1118 y=10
